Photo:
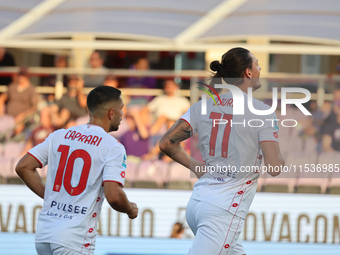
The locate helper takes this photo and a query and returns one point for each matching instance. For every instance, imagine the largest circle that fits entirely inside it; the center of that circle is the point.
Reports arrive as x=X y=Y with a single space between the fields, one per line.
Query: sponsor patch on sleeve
x=124 y=161
x=276 y=124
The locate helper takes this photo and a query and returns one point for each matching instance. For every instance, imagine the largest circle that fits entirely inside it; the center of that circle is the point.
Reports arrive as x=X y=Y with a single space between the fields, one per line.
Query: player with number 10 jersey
x=85 y=165
x=79 y=160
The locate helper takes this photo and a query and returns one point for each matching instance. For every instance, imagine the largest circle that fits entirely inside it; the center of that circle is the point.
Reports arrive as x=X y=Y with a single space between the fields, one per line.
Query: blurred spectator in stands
x=319 y=115
x=177 y=230
x=156 y=154
x=311 y=124
x=60 y=61
x=20 y=98
x=40 y=133
x=166 y=109
x=111 y=80
x=338 y=67
x=331 y=129
x=71 y=106
x=96 y=63
x=6 y=60
x=136 y=138
x=142 y=64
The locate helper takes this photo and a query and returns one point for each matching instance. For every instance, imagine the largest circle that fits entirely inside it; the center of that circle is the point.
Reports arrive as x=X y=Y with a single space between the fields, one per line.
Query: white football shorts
x=216 y=230
x=55 y=249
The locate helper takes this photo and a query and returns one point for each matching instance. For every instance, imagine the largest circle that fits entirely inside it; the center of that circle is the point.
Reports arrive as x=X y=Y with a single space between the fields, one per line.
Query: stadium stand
x=179 y=177
x=298 y=146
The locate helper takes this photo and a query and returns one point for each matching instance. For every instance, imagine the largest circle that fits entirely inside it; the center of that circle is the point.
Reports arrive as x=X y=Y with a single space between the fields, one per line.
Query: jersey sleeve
x=269 y=131
x=115 y=167
x=40 y=152
x=189 y=117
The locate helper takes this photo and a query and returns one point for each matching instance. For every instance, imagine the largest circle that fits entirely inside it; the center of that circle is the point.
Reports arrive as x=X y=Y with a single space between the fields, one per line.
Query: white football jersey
x=79 y=160
x=230 y=147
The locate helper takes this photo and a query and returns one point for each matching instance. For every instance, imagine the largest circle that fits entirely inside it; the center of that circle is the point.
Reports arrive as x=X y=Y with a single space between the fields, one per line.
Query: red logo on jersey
x=276 y=135
x=122 y=174
x=235 y=204
x=90 y=230
x=226 y=246
x=260 y=157
x=98 y=198
x=240 y=192
x=248 y=182
x=87 y=245
x=94 y=215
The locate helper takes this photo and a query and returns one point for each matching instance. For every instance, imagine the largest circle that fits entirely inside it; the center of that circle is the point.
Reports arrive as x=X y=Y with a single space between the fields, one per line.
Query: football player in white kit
x=221 y=198
x=85 y=164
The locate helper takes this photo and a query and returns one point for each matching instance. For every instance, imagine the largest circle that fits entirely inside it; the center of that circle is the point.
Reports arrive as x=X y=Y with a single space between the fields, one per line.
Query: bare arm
x=272 y=156
x=26 y=169
x=82 y=100
x=3 y=99
x=59 y=119
x=142 y=130
x=145 y=116
x=170 y=145
x=81 y=97
x=117 y=199
x=158 y=125
x=22 y=116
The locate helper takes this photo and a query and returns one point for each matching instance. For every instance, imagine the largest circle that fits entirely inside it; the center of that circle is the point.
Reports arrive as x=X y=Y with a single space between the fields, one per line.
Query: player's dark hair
x=232 y=67
x=100 y=96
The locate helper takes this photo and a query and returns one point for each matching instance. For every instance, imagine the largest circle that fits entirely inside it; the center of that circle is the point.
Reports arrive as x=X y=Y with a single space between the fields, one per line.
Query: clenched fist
x=134 y=212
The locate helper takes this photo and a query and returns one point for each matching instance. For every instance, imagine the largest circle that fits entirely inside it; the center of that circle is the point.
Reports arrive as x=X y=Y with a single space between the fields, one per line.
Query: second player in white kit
x=221 y=197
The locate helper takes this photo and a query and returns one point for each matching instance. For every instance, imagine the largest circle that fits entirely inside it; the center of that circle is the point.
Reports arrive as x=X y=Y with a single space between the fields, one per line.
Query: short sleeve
x=189 y=117
x=40 y=152
x=269 y=131
x=115 y=167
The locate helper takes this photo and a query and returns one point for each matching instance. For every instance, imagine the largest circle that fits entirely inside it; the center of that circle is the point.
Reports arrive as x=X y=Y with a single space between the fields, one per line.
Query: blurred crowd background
x=28 y=116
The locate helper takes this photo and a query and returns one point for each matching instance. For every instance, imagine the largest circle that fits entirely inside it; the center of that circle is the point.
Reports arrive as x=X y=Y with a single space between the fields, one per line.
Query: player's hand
x=134 y=212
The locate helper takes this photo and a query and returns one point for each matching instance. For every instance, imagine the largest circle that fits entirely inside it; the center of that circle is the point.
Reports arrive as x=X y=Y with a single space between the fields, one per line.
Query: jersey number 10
x=64 y=158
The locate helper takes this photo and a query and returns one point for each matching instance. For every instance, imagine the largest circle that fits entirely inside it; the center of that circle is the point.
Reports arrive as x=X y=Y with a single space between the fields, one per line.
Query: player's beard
x=114 y=124
x=113 y=127
x=257 y=84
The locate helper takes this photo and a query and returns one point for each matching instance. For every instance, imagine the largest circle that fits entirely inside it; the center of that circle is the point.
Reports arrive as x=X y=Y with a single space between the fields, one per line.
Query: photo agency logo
x=237 y=102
